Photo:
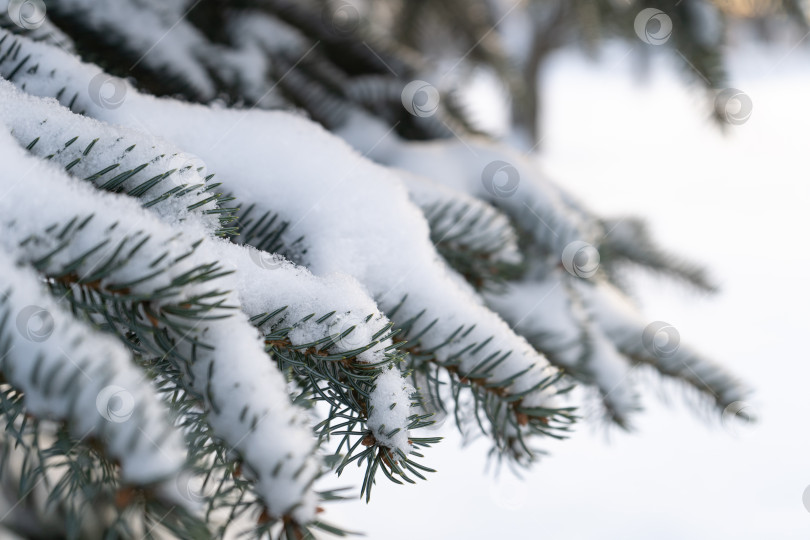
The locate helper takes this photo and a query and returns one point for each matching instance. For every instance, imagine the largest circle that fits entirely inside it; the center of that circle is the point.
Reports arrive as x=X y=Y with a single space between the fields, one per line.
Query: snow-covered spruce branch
x=388 y=409
x=548 y=215
x=253 y=65
x=545 y=233
x=345 y=357
x=131 y=29
x=551 y=314
x=56 y=486
x=555 y=222
x=268 y=232
x=116 y=159
x=173 y=207
x=484 y=170
x=31 y=20
x=472 y=236
x=369 y=241
x=258 y=142
x=83 y=245
x=629 y=242
x=69 y=372
x=659 y=345
x=506 y=409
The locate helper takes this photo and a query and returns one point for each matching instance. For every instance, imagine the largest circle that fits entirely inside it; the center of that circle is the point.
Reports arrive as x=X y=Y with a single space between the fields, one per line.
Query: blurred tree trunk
x=527 y=110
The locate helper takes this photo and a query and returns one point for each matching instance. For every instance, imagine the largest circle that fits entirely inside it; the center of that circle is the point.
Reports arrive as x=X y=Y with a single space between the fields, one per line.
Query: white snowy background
x=738 y=202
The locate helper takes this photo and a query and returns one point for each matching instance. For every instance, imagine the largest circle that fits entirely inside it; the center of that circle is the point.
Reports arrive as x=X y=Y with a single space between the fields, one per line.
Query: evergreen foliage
x=208 y=301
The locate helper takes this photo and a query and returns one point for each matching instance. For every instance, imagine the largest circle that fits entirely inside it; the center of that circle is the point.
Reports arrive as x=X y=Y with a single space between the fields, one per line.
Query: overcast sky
x=741 y=204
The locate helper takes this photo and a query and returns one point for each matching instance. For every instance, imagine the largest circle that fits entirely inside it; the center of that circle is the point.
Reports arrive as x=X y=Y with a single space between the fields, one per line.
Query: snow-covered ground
x=739 y=203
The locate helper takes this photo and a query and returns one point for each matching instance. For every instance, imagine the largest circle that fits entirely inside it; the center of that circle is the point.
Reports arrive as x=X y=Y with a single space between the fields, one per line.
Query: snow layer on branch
x=490 y=225
x=542 y=311
x=31 y=118
x=266 y=282
x=245 y=394
x=88 y=147
x=556 y=219
x=156 y=33
x=272 y=34
x=68 y=371
x=339 y=201
x=45 y=30
x=551 y=316
x=342 y=204
x=485 y=170
x=248 y=66
x=259 y=290
x=611 y=375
